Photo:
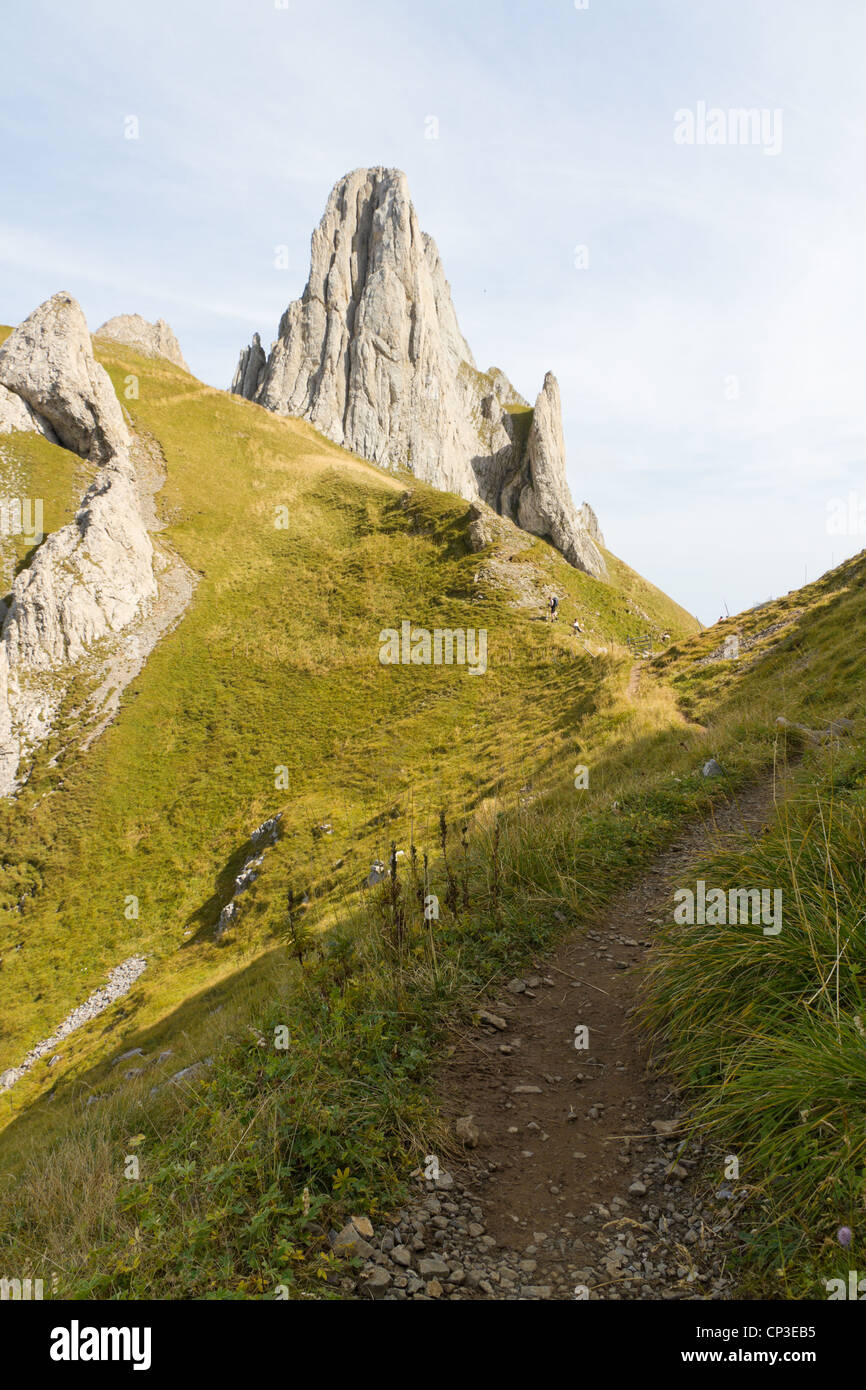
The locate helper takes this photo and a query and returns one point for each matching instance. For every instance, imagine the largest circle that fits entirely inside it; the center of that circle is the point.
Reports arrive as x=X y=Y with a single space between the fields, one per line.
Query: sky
x=697 y=285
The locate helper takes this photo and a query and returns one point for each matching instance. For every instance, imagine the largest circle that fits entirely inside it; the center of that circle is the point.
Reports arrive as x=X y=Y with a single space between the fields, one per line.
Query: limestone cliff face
x=373 y=356
x=90 y=579
x=152 y=339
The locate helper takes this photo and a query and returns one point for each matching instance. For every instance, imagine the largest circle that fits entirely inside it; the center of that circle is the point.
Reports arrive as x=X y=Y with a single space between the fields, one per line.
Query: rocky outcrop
x=120 y=982
x=92 y=578
x=261 y=840
x=481 y=532
x=250 y=369
x=16 y=414
x=48 y=362
x=590 y=523
x=87 y=580
x=151 y=339
x=373 y=356
x=538 y=497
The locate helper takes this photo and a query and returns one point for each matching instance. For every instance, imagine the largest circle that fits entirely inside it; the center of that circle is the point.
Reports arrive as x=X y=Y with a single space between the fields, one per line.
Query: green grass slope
x=269 y=697
x=275 y=664
x=768 y=1032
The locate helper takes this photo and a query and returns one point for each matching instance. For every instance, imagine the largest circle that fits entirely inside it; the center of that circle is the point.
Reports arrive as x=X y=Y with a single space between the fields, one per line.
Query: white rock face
x=373 y=356
x=590 y=521
x=48 y=361
x=152 y=339
x=16 y=414
x=92 y=578
x=540 y=498
x=250 y=369
x=87 y=580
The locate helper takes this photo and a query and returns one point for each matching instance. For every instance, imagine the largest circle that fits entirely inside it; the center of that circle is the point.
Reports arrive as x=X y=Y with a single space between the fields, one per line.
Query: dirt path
x=633 y=687
x=564 y=1132
x=577 y=1184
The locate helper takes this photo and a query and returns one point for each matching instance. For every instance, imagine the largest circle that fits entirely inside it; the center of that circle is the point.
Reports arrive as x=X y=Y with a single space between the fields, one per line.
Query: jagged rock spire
x=373 y=356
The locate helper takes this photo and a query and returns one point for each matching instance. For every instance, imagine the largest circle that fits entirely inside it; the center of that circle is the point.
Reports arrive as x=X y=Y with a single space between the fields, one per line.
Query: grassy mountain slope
x=275 y=663
x=272 y=676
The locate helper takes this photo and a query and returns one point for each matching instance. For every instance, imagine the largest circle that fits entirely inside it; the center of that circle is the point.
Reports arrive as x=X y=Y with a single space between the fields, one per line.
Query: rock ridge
x=93 y=577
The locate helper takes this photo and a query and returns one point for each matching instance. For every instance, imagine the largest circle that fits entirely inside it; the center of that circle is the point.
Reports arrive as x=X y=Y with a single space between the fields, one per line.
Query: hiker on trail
x=576 y=627
x=554 y=607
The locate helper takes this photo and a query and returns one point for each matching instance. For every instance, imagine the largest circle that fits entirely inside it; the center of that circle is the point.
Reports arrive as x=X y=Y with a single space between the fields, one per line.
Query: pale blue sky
x=556 y=130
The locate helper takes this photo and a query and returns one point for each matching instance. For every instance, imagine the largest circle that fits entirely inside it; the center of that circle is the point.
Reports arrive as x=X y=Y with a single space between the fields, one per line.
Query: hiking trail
x=577 y=1182
x=633 y=688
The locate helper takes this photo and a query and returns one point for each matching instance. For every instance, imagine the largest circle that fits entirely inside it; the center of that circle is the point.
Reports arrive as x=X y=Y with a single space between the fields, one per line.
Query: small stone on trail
x=665 y=1126
x=467 y=1131
x=492 y=1020
x=376 y=1281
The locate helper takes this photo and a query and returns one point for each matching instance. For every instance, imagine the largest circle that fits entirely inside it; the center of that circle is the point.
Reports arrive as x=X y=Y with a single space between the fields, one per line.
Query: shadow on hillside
x=54 y=1112
x=191 y=1038
x=204 y=920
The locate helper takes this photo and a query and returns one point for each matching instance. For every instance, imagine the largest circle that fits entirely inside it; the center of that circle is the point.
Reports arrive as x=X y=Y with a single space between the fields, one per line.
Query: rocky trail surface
x=576 y=1179
x=633 y=688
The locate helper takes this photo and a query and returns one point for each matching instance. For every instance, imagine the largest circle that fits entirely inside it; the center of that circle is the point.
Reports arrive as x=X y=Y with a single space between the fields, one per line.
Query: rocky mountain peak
x=373 y=356
x=151 y=339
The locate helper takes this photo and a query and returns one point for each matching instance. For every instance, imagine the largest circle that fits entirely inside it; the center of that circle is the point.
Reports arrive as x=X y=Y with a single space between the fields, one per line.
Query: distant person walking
x=553 y=605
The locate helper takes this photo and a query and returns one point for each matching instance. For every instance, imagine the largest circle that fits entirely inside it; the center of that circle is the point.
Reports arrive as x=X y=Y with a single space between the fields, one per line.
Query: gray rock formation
x=250 y=369
x=538 y=497
x=590 y=522
x=87 y=580
x=262 y=839
x=152 y=339
x=48 y=362
x=91 y=578
x=16 y=414
x=373 y=356
x=481 y=533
